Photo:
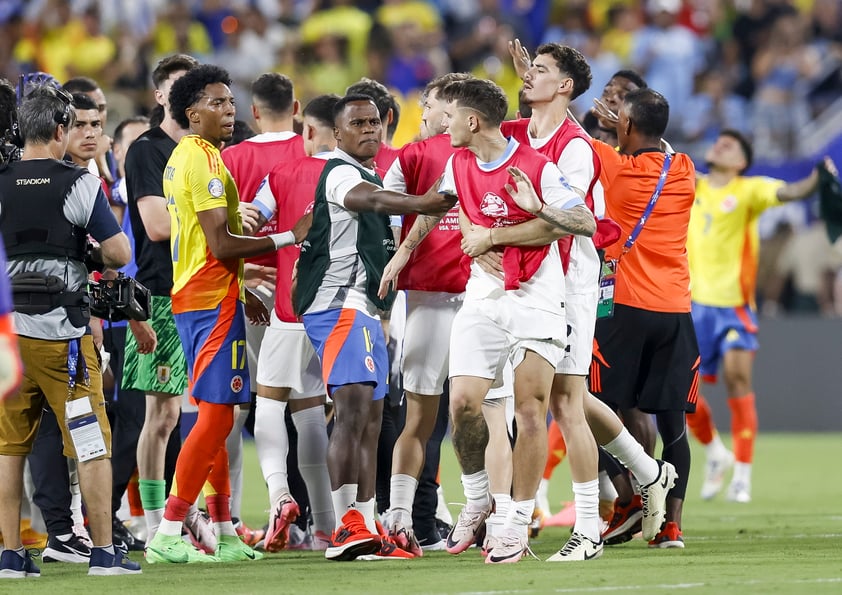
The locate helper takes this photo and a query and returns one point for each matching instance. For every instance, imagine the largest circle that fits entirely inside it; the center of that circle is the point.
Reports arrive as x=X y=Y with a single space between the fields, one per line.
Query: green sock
x=153 y=494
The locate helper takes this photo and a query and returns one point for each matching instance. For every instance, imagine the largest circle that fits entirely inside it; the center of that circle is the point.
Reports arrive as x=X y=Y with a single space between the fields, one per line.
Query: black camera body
x=119 y=299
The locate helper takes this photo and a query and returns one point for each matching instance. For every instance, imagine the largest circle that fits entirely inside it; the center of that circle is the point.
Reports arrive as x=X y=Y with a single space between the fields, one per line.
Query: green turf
x=788 y=540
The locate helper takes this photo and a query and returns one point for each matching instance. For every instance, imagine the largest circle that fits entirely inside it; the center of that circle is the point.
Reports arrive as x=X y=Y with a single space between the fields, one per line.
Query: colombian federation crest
x=237 y=383
x=369 y=363
x=163 y=374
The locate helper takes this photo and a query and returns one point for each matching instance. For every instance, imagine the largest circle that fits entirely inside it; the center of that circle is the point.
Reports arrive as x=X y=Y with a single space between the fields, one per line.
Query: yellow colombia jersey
x=196 y=180
x=723 y=242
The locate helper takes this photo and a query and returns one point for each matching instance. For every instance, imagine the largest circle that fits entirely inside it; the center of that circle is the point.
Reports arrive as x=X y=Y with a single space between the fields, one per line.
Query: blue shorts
x=351 y=347
x=719 y=330
x=214 y=344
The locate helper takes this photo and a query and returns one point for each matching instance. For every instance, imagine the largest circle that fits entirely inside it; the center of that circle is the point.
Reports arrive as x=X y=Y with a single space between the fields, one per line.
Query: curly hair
x=188 y=89
x=570 y=61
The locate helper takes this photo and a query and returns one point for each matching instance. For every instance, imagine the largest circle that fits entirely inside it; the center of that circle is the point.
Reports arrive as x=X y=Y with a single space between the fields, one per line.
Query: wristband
x=541 y=208
x=281 y=240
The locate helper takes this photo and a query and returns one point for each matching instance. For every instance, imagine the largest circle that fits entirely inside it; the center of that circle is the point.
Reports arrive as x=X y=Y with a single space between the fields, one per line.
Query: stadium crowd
x=274 y=217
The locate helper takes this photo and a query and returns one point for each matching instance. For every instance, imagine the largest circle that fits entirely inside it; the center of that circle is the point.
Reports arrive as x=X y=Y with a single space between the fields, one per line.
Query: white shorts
x=288 y=360
x=580 y=312
x=488 y=332
x=426 y=341
x=255 y=332
x=507 y=390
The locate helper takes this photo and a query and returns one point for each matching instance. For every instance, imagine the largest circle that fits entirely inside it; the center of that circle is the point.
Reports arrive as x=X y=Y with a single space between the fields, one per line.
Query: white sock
x=75 y=495
x=502 y=505
x=225 y=528
x=715 y=447
x=234 y=444
x=586 y=498
x=272 y=443
x=542 y=499
x=367 y=510
x=475 y=486
x=442 y=511
x=630 y=453
x=520 y=514
x=169 y=528
x=607 y=491
x=153 y=521
x=742 y=473
x=343 y=500
x=312 y=463
x=402 y=492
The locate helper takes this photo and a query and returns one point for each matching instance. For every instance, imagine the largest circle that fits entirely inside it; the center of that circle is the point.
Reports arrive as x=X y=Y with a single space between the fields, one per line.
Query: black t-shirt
x=145 y=163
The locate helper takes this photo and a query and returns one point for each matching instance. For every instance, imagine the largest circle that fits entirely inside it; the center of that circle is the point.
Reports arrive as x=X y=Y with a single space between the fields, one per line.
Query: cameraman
x=47 y=208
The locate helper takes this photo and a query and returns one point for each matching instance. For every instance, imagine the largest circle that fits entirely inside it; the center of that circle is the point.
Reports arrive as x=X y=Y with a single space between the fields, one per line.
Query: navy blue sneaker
x=13 y=566
x=105 y=564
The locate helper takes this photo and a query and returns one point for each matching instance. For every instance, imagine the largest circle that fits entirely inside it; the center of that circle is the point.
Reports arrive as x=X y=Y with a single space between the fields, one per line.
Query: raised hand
x=523 y=192
x=520 y=58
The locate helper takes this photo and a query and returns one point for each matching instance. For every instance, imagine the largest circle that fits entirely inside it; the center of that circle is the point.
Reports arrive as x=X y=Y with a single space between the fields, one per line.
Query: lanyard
x=648 y=211
x=75 y=358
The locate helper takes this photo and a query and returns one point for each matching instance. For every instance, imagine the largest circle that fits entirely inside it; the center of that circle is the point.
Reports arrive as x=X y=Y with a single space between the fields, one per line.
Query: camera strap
x=76 y=361
x=651 y=205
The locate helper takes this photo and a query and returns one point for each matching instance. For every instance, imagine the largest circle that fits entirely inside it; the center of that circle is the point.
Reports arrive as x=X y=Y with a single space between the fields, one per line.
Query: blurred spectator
x=177 y=32
x=622 y=25
x=49 y=39
x=416 y=35
x=811 y=264
x=472 y=38
x=571 y=27
x=218 y=19
x=667 y=54
x=751 y=31
x=497 y=66
x=94 y=51
x=603 y=64
x=340 y=20
x=781 y=69
x=713 y=108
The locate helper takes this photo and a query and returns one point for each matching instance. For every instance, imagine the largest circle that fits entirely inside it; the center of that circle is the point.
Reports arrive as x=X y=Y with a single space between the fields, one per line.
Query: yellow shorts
x=45 y=382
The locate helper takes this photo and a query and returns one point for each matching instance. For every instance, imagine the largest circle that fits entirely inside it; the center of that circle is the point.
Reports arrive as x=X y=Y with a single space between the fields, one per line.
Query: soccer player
x=645 y=355
x=86 y=131
x=208 y=297
x=273 y=107
x=722 y=246
x=434 y=282
x=339 y=273
x=519 y=318
x=288 y=372
x=161 y=373
x=389 y=110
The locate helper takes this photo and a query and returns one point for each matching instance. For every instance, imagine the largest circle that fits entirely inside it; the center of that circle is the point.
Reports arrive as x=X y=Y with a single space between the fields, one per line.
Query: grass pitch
x=787 y=540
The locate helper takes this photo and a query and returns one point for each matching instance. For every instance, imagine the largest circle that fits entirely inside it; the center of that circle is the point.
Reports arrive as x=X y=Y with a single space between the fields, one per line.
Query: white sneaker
x=508 y=547
x=654 y=498
x=199 y=528
x=739 y=491
x=578 y=549
x=464 y=533
x=716 y=467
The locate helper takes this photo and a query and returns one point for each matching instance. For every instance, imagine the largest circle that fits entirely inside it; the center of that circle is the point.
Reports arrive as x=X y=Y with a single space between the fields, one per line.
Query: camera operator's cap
x=29 y=81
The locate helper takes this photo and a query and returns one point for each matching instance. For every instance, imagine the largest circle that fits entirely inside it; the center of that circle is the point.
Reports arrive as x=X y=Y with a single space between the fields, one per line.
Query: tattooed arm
x=420 y=229
x=574 y=221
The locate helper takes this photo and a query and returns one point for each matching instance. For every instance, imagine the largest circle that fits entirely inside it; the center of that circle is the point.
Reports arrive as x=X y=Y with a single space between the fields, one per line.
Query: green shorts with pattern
x=165 y=370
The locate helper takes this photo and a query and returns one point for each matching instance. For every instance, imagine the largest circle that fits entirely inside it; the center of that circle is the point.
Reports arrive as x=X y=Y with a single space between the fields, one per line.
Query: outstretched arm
x=806 y=186
x=422 y=226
